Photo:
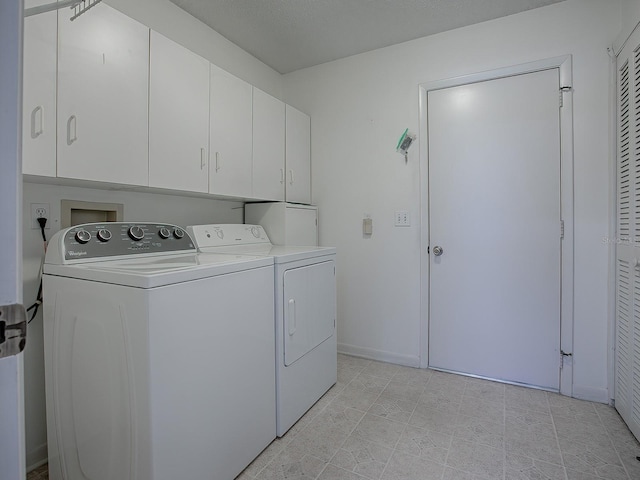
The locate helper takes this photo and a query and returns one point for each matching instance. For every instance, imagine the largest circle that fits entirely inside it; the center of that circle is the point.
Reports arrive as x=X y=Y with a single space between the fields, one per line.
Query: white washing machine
x=305 y=313
x=157 y=366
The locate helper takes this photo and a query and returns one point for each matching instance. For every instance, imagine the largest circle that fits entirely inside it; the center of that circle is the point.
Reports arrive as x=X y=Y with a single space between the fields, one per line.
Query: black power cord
x=42 y=222
x=36 y=305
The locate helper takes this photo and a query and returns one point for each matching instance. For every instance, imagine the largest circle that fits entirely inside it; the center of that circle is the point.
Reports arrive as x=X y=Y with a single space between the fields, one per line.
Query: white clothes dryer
x=157 y=367
x=305 y=313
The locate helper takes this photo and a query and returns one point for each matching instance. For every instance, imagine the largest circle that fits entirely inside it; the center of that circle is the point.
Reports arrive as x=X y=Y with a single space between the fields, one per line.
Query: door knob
x=437 y=251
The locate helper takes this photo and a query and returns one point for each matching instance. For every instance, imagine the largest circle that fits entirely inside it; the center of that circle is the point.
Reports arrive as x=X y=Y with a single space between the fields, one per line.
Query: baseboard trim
x=379 y=355
x=36 y=457
x=600 y=395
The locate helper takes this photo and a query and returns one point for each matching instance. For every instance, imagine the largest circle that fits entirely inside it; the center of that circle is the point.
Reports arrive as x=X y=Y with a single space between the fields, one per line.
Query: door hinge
x=561 y=229
x=13 y=329
x=562 y=90
x=428 y=250
x=564 y=355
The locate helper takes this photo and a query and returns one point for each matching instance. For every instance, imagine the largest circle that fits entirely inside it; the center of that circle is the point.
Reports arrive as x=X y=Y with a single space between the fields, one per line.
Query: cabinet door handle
x=293 y=325
x=290 y=177
x=217 y=161
x=72 y=138
x=39 y=130
x=282 y=175
x=203 y=158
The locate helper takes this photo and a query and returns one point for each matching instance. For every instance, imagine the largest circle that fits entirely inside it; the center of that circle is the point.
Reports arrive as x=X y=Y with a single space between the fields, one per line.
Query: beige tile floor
x=387 y=422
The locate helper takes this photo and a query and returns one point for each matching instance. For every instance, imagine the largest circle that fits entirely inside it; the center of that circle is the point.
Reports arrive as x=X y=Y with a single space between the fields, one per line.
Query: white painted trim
x=379 y=355
x=423 y=169
x=564 y=65
x=12 y=428
x=567 y=212
x=530 y=67
x=592 y=394
x=613 y=196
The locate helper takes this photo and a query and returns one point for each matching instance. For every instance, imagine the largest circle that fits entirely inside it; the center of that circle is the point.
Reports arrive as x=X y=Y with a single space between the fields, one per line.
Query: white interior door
x=494 y=210
x=12 y=449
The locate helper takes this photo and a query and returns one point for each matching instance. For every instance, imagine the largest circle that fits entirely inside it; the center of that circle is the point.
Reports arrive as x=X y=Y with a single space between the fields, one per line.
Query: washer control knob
x=164 y=233
x=255 y=231
x=82 y=236
x=104 y=235
x=178 y=233
x=136 y=233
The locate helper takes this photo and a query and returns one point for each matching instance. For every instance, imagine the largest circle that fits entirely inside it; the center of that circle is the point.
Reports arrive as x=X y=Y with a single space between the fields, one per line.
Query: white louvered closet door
x=627 y=381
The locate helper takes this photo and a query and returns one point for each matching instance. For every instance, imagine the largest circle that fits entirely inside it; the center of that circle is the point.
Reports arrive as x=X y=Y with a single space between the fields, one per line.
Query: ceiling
x=289 y=35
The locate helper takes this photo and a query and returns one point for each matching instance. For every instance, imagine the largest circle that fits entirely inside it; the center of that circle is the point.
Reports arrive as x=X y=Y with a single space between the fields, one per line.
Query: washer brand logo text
x=71 y=253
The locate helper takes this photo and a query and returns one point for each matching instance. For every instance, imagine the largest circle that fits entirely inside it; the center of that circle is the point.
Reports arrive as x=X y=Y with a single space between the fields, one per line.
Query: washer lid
x=155 y=271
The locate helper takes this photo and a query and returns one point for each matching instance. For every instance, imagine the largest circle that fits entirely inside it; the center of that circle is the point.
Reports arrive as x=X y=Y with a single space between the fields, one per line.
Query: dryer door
x=309 y=308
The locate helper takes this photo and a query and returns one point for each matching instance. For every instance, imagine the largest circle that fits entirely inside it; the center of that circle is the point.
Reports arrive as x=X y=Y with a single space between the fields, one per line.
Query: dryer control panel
x=228 y=234
x=95 y=241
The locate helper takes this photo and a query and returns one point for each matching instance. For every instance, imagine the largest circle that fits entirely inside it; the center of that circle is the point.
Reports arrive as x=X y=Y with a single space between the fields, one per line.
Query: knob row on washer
x=135 y=233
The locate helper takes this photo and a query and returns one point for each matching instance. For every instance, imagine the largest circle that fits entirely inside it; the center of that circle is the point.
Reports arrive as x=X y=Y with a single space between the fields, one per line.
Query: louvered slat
x=623 y=341
x=635 y=327
x=624 y=161
x=635 y=358
x=634 y=119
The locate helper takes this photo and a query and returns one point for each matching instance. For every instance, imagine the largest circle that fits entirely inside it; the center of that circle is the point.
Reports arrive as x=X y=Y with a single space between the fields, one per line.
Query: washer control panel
x=99 y=240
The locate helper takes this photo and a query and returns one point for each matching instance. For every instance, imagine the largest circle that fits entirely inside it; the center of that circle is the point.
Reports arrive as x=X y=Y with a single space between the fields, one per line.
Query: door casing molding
x=564 y=66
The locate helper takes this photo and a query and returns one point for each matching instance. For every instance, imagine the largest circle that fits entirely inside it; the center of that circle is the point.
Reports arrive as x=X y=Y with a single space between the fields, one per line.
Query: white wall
x=360 y=105
x=630 y=18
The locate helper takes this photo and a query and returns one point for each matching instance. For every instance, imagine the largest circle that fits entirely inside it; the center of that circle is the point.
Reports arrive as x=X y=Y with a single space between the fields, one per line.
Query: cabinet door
x=231 y=132
x=268 y=147
x=309 y=308
x=178 y=117
x=298 y=156
x=39 y=93
x=103 y=86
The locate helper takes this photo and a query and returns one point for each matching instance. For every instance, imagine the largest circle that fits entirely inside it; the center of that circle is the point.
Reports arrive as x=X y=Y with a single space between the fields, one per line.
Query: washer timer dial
x=83 y=236
x=104 y=235
x=136 y=233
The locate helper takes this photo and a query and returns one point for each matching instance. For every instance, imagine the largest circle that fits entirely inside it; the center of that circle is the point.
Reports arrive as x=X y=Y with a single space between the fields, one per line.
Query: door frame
x=564 y=66
x=12 y=428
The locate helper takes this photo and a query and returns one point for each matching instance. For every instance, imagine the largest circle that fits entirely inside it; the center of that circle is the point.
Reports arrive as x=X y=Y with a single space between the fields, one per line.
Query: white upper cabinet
x=231 y=135
x=39 y=93
x=298 y=156
x=103 y=86
x=178 y=117
x=268 y=147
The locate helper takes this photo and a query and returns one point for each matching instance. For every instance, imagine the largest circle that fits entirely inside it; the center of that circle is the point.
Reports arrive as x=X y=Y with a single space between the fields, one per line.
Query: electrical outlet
x=40 y=210
x=402 y=219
